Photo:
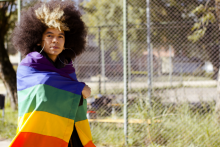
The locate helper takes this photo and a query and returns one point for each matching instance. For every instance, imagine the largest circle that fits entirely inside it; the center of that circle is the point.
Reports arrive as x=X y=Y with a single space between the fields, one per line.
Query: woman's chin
x=55 y=53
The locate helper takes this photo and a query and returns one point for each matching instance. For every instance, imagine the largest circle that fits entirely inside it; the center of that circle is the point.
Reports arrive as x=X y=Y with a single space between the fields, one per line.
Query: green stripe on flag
x=82 y=111
x=49 y=99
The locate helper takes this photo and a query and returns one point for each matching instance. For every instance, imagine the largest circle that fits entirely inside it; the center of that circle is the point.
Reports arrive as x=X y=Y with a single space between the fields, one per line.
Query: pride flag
x=48 y=101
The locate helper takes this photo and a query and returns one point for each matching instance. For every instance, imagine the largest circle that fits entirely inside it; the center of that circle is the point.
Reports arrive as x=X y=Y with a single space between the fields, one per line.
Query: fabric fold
x=48 y=100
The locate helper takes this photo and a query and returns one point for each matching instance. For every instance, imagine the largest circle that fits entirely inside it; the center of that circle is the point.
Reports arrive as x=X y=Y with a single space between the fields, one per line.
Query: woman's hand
x=86 y=92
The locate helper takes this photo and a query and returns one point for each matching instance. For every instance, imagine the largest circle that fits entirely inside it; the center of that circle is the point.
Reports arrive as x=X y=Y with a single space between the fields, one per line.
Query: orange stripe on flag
x=47 y=124
x=90 y=144
x=28 y=139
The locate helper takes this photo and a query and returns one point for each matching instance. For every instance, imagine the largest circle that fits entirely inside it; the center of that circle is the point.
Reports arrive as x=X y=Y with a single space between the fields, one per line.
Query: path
x=4 y=143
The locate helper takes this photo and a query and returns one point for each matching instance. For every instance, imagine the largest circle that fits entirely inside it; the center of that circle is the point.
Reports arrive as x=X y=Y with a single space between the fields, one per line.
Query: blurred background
x=153 y=70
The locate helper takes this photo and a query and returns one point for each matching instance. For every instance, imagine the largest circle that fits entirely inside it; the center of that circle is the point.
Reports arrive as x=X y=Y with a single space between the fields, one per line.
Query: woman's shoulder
x=34 y=57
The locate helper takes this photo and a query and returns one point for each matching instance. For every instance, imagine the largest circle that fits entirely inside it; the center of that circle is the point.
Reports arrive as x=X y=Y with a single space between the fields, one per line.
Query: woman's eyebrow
x=49 y=33
x=52 y=33
x=62 y=34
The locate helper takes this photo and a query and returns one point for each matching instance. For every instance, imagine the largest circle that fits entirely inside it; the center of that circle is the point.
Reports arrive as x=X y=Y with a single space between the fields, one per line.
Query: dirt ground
x=4 y=143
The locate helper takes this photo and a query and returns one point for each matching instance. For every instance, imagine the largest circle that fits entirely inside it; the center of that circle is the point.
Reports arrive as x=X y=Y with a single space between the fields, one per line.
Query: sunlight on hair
x=53 y=19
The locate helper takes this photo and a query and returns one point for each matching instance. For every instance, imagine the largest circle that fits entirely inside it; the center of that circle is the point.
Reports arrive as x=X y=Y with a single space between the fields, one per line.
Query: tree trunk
x=8 y=75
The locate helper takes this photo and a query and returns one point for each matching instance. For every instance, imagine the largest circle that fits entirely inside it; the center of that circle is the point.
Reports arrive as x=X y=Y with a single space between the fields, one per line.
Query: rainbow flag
x=48 y=101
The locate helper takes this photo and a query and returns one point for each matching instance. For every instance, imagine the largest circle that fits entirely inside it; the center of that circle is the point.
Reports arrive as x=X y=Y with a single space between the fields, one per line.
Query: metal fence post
x=149 y=51
x=99 y=28
x=103 y=65
x=171 y=69
x=19 y=18
x=151 y=63
x=181 y=68
x=129 y=65
x=125 y=45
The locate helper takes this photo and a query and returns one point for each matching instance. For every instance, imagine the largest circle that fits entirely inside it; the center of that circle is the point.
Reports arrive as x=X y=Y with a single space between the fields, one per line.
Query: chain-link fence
x=180 y=109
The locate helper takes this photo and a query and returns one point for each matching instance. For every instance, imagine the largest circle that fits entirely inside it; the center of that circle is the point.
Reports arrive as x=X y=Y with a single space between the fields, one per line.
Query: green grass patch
x=178 y=126
x=8 y=126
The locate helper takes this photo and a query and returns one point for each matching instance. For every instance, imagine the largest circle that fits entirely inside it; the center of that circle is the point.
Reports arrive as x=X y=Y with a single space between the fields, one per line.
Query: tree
x=171 y=23
x=7 y=73
x=208 y=26
x=8 y=18
x=205 y=34
x=109 y=15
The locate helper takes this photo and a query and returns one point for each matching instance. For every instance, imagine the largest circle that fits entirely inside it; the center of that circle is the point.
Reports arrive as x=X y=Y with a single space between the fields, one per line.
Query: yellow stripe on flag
x=83 y=130
x=45 y=123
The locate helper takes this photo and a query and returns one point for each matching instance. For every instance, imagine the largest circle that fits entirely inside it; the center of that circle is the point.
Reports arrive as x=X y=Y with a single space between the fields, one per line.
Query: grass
x=8 y=126
x=179 y=126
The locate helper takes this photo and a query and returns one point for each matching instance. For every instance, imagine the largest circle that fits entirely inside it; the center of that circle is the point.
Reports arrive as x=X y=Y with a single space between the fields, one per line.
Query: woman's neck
x=52 y=57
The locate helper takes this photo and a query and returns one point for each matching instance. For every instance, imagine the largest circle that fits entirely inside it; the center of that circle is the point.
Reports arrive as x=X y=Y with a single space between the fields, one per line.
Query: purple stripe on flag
x=39 y=62
x=28 y=77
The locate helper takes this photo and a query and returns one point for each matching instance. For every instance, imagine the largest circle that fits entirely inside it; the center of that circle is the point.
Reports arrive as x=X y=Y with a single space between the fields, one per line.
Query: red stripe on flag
x=90 y=144
x=28 y=139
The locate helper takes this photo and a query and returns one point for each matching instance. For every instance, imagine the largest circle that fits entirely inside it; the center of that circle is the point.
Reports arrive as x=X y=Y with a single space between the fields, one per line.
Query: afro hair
x=28 y=33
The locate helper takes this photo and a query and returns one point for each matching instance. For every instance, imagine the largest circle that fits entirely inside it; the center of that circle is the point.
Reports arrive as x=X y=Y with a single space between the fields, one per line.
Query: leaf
x=196 y=26
x=199 y=9
x=197 y=35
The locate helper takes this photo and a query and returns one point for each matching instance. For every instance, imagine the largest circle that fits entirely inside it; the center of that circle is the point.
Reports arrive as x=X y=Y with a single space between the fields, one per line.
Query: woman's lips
x=55 y=47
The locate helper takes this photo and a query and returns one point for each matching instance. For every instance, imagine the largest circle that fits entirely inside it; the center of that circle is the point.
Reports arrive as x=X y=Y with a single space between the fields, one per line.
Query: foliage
x=188 y=26
x=170 y=23
x=13 y=21
x=205 y=32
x=206 y=15
x=110 y=13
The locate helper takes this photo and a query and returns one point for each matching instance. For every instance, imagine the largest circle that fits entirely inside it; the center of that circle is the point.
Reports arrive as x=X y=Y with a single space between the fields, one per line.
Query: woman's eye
x=60 y=36
x=49 y=36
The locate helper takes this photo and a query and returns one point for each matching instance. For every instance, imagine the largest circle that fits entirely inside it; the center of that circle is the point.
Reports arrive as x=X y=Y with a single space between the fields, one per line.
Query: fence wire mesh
x=184 y=67
x=184 y=71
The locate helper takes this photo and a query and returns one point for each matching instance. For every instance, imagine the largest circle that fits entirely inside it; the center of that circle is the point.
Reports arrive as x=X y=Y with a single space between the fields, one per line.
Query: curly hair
x=28 y=33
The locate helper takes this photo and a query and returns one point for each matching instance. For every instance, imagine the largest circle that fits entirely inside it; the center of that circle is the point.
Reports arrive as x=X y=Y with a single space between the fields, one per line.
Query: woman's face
x=53 y=42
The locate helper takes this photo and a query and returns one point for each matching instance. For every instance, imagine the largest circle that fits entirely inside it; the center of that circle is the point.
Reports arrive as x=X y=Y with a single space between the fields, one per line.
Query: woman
x=52 y=102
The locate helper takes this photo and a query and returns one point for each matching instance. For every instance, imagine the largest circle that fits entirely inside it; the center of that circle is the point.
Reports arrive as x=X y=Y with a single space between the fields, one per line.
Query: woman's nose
x=55 y=39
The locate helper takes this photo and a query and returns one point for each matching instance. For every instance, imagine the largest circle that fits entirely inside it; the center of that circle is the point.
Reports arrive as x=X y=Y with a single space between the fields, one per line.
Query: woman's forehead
x=54 y=31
